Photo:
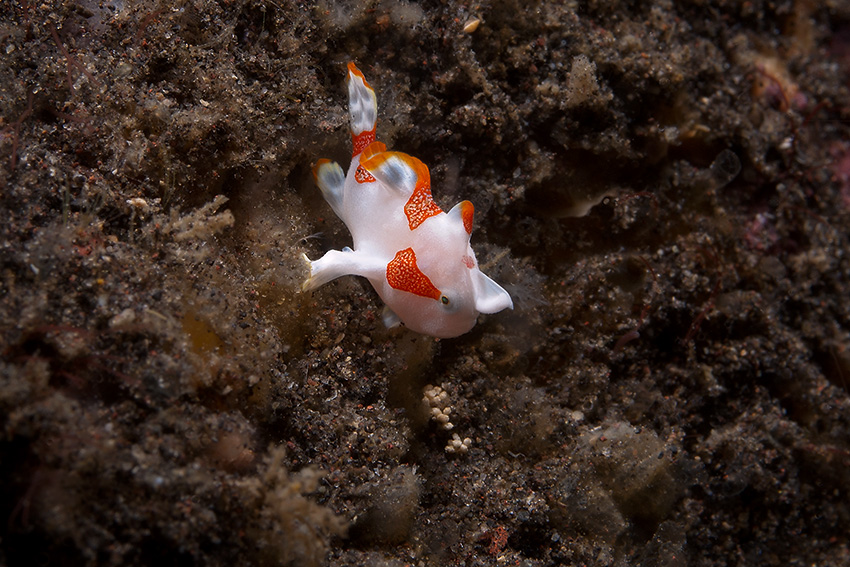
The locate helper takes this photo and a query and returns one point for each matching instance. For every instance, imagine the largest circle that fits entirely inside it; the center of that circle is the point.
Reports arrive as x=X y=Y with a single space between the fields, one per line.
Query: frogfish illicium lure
x=415 y=255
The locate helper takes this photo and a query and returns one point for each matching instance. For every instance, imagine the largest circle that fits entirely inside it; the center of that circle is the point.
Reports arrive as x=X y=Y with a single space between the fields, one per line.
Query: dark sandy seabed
x=663 y=187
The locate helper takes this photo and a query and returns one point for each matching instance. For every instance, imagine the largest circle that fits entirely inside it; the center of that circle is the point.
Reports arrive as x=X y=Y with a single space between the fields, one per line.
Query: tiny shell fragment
x=471 y=25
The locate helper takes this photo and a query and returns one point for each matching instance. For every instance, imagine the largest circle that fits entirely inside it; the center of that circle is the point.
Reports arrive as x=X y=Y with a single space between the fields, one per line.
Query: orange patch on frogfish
x=421 y=205
x=373 y=149
x=361 y=141
x=467 y=213
x=403 y=274
x=363 y=176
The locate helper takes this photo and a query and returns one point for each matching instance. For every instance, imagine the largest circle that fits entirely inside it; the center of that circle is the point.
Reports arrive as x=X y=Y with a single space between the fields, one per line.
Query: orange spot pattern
x=363 y=176
x=361 y=140
x=403 y=274
x=421 y=205
x=373 y=149
x=467 y=213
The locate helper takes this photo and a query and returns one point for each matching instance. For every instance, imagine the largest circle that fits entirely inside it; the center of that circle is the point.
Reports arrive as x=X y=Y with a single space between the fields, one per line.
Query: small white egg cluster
x=456 y=445
x=438 y=406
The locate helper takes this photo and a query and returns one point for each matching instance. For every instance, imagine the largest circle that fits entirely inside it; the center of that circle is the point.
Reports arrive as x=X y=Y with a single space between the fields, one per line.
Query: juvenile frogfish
x=415 y=255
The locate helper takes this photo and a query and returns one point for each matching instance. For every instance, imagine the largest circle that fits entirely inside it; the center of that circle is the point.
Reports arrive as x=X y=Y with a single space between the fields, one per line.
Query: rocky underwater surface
x=663 y=188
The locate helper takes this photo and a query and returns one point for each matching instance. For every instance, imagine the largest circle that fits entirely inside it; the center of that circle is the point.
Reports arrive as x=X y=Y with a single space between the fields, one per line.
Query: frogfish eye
x=444 y=300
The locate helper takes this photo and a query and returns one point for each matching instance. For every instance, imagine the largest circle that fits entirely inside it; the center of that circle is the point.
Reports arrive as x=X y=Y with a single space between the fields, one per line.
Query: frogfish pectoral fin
x=336 y=263
x=331 y=181
x=490 y=297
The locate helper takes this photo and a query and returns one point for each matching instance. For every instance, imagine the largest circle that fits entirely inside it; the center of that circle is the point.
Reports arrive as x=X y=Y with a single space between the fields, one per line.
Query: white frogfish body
x=416 y=256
